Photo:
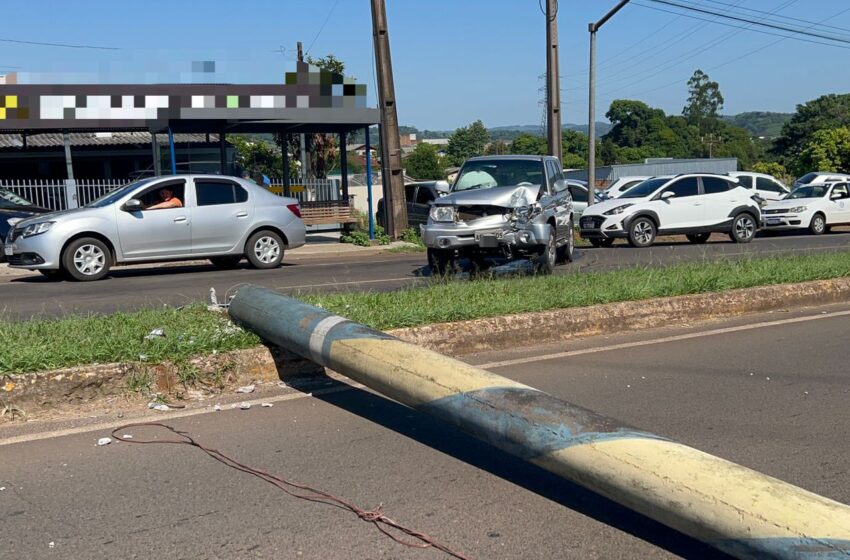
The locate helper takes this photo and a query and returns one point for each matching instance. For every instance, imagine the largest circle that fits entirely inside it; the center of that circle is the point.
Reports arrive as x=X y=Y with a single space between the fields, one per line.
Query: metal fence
x=58 y=194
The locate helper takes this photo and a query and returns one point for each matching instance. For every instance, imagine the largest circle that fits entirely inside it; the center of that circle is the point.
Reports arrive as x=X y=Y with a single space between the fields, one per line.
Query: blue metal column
x=369 y=186
x=171 y=150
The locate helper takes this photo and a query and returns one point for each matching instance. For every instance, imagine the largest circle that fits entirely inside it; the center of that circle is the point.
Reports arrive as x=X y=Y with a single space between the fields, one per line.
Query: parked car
x=767 y=187
x=221 y=218
x=14 y=208
x=578 y=192
x=820 y=177
x=813 y=207
x=504 y=206
x=418 y=198
x=621 y=185
x=693 y=204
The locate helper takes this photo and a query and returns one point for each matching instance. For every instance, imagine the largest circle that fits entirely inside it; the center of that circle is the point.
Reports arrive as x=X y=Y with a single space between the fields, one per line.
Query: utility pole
x=553 y=81
x=711 y=141
x=393 y=180
x=591 y=103
x=305 y=161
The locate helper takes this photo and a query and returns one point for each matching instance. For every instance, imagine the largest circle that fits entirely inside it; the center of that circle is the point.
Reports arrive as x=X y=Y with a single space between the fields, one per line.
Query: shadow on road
x=450 y=441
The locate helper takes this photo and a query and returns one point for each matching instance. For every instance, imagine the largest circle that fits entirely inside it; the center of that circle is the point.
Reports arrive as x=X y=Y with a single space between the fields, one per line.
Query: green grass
x=455 y=301
x=407 y=249
x=47 y=344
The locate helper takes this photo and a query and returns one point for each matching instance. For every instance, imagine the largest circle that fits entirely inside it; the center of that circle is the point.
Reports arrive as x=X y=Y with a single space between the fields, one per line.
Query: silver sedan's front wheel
x=86 y=259
x=265 y=249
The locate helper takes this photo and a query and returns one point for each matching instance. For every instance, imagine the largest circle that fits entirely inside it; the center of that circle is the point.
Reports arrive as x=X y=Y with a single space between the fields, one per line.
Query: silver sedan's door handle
x=242 y=215
x=179 y=219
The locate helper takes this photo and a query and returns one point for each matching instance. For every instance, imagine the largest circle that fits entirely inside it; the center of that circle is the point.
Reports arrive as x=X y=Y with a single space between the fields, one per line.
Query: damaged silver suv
x=502 y=206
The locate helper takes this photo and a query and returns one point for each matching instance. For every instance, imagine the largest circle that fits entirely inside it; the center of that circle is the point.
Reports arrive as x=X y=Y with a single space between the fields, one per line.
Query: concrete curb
x=48 y=389
x=465 y=337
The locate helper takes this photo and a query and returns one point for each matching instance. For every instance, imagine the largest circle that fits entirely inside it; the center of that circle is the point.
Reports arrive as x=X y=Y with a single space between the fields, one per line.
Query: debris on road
x=267 y=405
x=246 y=389
x=244 y=405
x=104 y=441
x=155 y=333
x=216 y=407
x=51 y=544
x=162 y=407
x=127 y=436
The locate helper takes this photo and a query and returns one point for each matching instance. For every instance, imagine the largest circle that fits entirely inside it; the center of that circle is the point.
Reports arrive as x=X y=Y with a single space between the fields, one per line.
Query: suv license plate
x=773 y=221
x=9 y=250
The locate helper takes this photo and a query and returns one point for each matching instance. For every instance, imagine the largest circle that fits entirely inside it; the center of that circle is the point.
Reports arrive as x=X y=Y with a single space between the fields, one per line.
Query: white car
x=768 y=187
x=578 y=191
x=621 y=185
x=693 y=204
x=820 y=177
x=813 y=207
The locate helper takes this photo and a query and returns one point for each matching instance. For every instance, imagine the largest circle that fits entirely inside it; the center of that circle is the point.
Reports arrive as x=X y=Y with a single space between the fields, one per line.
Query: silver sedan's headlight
x=797 y=209
x=617 y=210
x=37 y=228
x=443 y=213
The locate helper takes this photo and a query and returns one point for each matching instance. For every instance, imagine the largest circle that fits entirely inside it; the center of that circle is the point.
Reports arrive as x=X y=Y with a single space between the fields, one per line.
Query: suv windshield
x=8 y=199
x=809 y=191
x=807 y=178
x=646 y=188
x=112 y=196
x=490 y=173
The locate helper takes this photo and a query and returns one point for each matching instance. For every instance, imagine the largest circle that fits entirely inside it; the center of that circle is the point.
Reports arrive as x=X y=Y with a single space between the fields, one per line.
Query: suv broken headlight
x=443 y=213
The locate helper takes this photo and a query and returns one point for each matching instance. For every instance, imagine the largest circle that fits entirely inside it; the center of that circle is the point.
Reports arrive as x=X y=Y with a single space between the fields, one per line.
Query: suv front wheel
x=642 y=232
x=548 y=255
x=743 y=228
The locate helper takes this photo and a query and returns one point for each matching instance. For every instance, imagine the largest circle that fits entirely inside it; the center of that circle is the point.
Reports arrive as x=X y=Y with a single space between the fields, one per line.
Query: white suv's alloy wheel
x=89 y=259
x=745 y=227
x=643 y=233
x=266 y=249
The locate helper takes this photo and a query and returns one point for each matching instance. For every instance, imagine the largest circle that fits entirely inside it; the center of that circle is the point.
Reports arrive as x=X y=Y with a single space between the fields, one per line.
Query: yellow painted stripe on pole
x=402 y=370
x=699 y=494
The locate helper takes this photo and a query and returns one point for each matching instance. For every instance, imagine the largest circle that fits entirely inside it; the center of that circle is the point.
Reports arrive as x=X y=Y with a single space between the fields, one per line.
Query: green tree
x=529 y=144
x=773 y=168
x=255 y=156
x=704 y=102
x=324 y=151
x=467 y=142
x=497 y=148
x=329 y=63
x=827 y=111
x=828 y=150
x=423 y=163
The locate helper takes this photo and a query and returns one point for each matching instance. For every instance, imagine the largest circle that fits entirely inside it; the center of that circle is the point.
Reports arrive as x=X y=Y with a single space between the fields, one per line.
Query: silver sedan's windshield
x=809 y=191
x=487 y=174
x=112 y=196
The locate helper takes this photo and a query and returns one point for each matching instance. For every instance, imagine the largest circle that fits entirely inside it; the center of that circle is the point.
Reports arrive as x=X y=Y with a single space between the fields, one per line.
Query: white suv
x=768 y=187
x=694 y=204
x=813 y=207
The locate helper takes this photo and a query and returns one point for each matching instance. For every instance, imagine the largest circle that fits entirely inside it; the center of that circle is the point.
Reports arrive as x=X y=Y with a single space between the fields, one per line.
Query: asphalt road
x=770 y=396
x=127 y=289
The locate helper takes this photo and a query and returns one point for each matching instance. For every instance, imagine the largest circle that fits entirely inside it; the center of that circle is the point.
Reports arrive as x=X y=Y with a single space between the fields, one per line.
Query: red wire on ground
x=374 y=516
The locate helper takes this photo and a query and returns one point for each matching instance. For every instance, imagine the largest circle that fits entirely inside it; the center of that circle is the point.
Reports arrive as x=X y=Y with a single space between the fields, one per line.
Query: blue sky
x=455 y=60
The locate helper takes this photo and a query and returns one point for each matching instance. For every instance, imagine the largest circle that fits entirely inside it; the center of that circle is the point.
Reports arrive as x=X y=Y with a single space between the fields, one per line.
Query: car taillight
x=295 y=209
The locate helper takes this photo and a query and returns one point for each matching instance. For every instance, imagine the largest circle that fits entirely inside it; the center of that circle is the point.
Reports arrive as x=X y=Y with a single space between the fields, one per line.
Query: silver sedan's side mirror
x=132 y=205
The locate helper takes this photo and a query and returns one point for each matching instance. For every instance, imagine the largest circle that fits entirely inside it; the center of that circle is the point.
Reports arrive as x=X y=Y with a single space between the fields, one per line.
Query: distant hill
x=760 y=123
x=512 y=131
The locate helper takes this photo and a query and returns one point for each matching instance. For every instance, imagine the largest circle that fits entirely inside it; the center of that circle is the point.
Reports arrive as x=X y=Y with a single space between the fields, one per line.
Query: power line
x=795 y=38
x=60 y=45
x=324 y=23
x=809 y=24
x=769 y=25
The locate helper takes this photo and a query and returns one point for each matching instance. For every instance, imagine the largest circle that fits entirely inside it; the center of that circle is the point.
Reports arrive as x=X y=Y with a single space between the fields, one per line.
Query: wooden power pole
x=553 y=81
x=392 y=177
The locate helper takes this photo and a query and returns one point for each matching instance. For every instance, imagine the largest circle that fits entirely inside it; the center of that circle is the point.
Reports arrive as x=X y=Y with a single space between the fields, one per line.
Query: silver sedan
x=161 y=219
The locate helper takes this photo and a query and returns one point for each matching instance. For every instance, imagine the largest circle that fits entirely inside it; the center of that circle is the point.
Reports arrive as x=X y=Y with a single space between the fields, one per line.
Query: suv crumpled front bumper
x=463 y=236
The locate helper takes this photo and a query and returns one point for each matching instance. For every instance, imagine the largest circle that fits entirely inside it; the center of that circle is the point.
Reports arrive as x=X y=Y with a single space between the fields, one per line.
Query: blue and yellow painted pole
x=735 y=509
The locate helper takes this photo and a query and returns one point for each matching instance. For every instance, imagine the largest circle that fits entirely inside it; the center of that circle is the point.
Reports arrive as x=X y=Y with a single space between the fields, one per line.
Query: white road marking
x=674 y=338
x=164 y=417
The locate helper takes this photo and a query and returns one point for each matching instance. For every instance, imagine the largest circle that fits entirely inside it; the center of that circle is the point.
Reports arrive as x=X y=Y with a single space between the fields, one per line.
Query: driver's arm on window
x=173 y=202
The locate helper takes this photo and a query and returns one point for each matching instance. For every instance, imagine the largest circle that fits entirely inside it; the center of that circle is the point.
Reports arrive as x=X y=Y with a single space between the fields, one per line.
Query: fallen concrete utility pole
x=735 y=509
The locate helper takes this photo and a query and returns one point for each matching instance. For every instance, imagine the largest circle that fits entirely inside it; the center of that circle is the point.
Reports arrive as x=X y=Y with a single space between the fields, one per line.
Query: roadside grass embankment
x=44 y=344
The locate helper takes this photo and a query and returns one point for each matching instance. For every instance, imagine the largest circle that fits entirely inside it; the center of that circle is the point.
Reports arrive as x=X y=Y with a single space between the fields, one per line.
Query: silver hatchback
x=160 y=219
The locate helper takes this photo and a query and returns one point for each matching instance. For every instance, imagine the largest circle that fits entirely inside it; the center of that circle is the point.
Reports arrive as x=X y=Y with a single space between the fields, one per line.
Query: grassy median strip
x=30 y=346
x=47 y=344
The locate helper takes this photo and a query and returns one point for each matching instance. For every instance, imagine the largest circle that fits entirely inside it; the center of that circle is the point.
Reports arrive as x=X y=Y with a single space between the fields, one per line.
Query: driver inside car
x=167 y=200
